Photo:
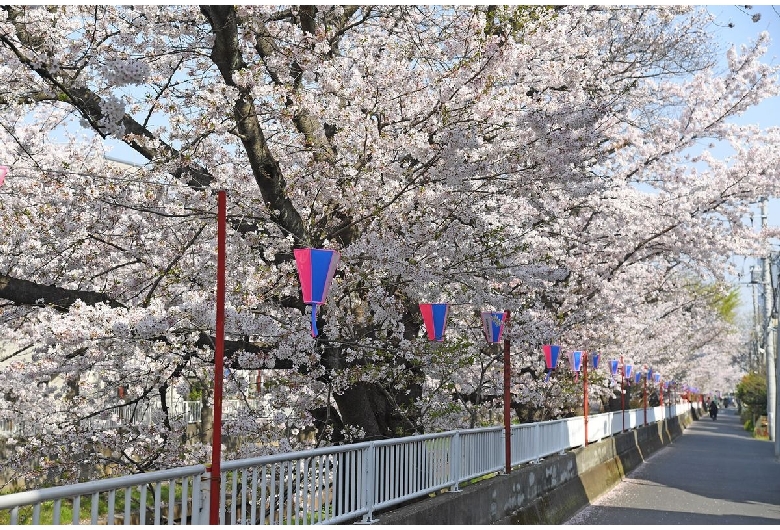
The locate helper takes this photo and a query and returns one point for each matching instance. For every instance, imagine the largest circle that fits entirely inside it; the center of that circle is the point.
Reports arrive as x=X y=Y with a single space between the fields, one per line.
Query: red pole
x=622 y=393
x=507 y=399
x=219 y=370
x=644 y=396
x=585 y=392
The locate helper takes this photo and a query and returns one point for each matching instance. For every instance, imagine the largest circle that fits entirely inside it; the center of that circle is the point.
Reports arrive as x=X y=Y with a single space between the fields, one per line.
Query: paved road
x=715 y=473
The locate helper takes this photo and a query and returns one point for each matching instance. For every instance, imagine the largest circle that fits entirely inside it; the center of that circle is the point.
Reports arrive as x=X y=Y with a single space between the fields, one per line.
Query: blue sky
x=767 y=114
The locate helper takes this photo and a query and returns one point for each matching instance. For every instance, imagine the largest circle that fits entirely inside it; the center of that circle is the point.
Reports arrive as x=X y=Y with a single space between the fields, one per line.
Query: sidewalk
x=715 y=473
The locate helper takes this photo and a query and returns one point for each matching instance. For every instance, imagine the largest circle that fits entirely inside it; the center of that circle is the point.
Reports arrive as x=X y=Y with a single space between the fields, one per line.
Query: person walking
x=714 y=410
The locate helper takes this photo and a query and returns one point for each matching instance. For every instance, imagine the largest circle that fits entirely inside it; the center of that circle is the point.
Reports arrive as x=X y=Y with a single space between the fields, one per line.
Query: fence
x=328 y=485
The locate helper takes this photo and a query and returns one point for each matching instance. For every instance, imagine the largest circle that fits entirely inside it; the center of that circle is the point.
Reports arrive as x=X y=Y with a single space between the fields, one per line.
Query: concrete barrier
x=549 y=492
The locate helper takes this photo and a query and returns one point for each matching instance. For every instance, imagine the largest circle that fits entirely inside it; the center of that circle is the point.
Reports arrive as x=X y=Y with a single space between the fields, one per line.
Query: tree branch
x=24 y=292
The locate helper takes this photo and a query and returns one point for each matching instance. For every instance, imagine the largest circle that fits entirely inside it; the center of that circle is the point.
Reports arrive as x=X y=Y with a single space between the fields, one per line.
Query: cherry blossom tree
x=551 y=161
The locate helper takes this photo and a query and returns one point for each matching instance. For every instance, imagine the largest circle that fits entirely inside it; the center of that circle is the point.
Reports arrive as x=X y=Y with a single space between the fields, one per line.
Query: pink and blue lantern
x=628 y=369
x=315 y=271
x=575 y=360
x=493 y=326
x=595 y=357
x=613 y=367
x=435 y=318
x=551 y=353
x=657 y=377
x=637 y=377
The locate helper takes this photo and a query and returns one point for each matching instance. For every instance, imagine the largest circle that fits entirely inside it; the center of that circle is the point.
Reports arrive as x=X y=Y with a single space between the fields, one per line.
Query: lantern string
x=314 y=331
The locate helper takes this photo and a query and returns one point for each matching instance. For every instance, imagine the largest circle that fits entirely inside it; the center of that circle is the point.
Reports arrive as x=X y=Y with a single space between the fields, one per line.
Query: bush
x=749 y=425
x=751 y=392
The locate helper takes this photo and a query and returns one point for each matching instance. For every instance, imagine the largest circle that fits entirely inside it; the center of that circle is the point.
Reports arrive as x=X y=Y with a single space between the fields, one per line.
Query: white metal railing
x=328 y=485
x=128 y=499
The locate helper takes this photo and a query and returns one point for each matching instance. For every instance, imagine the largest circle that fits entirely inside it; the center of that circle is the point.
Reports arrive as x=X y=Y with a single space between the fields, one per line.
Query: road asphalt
x=715 y=473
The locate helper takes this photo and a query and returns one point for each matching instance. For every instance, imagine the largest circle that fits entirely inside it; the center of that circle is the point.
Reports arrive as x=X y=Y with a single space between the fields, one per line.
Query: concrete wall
x=546 y=493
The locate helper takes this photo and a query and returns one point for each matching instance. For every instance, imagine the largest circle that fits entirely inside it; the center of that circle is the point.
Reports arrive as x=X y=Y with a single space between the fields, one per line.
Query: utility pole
x=775 y=377
x=754 y=355
x=769 y=333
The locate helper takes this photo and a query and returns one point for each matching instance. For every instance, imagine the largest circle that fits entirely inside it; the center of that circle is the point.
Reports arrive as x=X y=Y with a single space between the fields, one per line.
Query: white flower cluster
x=120 y=72
x=113 y=110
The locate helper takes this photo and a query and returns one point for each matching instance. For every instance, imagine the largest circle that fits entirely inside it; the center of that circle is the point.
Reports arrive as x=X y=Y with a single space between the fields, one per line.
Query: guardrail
x=328 y=485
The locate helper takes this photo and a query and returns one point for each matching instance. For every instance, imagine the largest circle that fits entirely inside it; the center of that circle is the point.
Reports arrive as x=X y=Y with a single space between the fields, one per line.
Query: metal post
x=777 y=401
x=644 y=397
x=622 y=393
x=585 y=392
x=455 y=461
x=219 y=370
x=754 y=355
x=507 y=399
x=775 y=433
x=369 y=476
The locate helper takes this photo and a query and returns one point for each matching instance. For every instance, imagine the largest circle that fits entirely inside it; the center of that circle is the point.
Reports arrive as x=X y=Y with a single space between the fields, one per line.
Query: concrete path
x=715 y=473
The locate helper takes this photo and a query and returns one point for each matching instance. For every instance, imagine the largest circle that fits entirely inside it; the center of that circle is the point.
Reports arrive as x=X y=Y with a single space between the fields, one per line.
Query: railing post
x=369 y=477
x=537 y=444
x=562 y=434
x=202 y=516
x=455 y=453
x=610 y=420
